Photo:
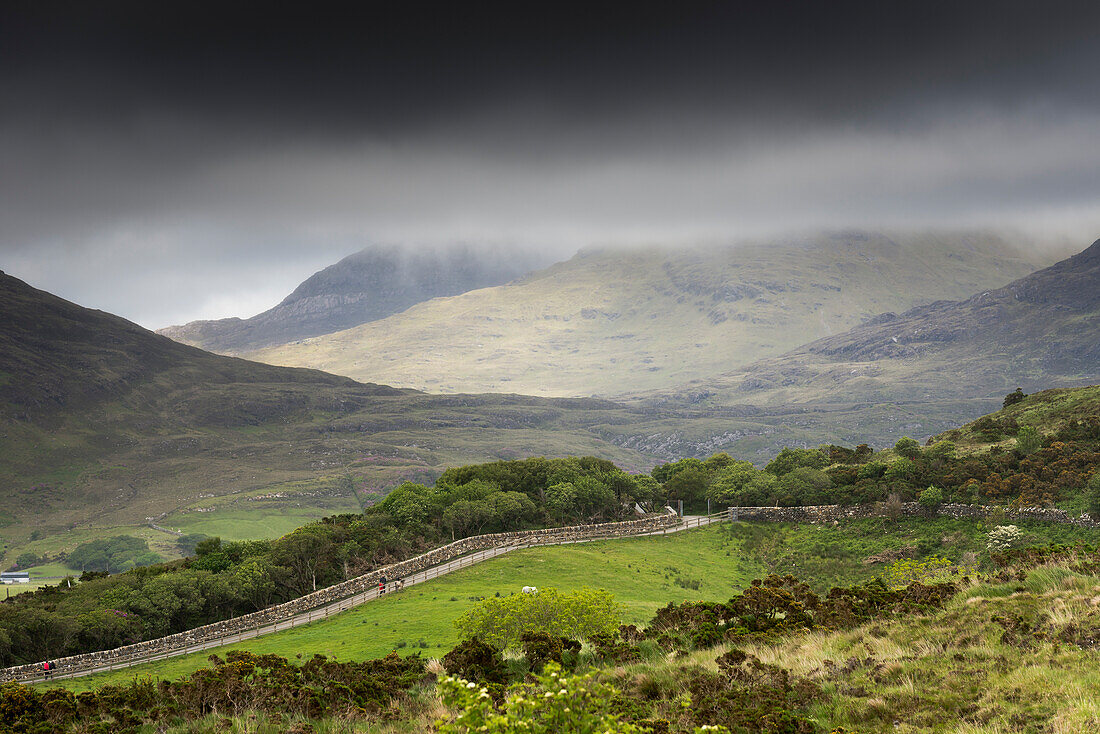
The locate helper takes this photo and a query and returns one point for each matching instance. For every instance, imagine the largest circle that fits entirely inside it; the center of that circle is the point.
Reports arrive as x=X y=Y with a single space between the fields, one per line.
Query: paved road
x=690 y=522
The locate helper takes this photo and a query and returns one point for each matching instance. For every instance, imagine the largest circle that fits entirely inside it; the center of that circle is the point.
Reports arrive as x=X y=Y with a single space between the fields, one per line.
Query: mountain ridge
x=362 y=287
x=1038 y=331
x=614 y=321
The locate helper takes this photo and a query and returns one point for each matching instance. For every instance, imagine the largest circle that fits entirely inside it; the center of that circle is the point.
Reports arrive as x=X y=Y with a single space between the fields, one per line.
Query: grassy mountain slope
x=1048 y=411
x=613 y=321
x=369 y=285
x=105 y=427
x=1040 y=330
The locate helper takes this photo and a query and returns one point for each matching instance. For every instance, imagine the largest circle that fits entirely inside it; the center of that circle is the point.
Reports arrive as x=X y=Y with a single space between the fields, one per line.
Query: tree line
x=226 y=579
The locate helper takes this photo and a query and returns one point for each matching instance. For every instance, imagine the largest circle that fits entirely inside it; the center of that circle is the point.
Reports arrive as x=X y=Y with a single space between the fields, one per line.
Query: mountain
x=107 y=428
x=1039 y=331
x=369 y=285
x=613 y=321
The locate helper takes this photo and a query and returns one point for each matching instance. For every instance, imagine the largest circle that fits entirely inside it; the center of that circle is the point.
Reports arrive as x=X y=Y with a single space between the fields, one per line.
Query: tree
x=255 y=581
x=595 y=500
x=689 y=485
x=409 y=504
x=511 y=509
x=804 y=486
x=900 y=470
x=562 y=498
x=502 y=621
x=790 y=459
x=941 y=451
x=907 y=447
x=26 y=560
x=1094 y=497
x=1013 y=397
x=663 y=472
x=931 y=498
x=304 y=552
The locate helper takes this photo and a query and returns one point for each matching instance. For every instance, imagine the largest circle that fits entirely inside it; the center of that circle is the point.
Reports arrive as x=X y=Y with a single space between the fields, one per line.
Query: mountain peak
x=371 y=284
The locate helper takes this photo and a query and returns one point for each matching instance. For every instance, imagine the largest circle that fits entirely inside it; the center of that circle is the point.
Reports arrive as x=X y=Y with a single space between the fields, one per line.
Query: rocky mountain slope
x=613 y=321
x=369 y=285
x=1040 y=331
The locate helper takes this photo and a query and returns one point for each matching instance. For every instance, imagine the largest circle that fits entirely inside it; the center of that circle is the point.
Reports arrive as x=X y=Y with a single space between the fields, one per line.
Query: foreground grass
x=956 y=671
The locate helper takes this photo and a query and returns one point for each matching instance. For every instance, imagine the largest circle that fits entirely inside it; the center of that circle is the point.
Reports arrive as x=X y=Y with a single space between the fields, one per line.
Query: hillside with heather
x=612 y=321
x=366 y=286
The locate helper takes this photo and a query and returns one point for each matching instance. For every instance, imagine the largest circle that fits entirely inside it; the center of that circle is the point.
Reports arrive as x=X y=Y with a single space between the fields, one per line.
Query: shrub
x=907 y=447
x=931 y=497
x=579 y=615
x=1028 y=440
x=1003 y=537
x=1094 y=497
x=553 y=703
x=474 y=660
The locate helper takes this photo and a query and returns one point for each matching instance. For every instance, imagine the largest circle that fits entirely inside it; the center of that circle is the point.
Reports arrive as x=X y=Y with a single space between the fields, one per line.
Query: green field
x=644 y=574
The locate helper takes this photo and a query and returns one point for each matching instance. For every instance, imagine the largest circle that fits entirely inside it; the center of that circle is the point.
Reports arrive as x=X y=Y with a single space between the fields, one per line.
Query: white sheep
x=529 y=590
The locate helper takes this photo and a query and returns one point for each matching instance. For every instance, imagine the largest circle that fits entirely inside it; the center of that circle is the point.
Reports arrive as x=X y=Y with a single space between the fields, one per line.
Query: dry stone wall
x=326 y=596
x=837 y=513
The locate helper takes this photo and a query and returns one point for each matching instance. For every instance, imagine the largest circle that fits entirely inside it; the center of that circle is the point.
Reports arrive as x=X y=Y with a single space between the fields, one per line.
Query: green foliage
x=907 y=447
x=263 y=683
x=26 y=560
x=474 y=660
x=1094 y=496
x=1014 y=397
x=503 y=621
x=930 y=570
x=900 y=470
x=119 y=553
x=1028 y=440
x=790 y=459
x=1003 y=538
x=554 y=703
x=941 y=451
x=188 y=542
x=931 y=497
x=689 y=485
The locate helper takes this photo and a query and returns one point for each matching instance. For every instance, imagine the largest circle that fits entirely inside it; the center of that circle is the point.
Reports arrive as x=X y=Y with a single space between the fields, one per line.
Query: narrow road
x=323 y=612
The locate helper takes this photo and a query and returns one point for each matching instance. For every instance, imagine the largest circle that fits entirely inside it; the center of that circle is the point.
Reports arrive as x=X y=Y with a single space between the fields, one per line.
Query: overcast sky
x=172 y=161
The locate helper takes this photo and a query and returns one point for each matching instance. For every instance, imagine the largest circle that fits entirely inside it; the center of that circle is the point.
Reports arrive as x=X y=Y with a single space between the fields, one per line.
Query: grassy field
x=644 y=574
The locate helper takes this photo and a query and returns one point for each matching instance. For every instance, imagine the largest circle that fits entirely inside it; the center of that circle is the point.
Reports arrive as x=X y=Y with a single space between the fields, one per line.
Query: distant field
x=244 y=524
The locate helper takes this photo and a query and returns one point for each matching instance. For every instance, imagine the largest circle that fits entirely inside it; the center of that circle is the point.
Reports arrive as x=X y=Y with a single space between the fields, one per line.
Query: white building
x=15 y=577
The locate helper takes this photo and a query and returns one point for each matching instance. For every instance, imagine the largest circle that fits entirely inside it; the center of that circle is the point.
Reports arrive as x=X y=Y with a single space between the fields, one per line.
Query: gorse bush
x=502 y=622
x=554 y=703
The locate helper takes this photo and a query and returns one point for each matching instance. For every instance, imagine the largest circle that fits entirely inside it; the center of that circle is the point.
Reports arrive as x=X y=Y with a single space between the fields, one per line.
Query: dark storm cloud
x=211 y=141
